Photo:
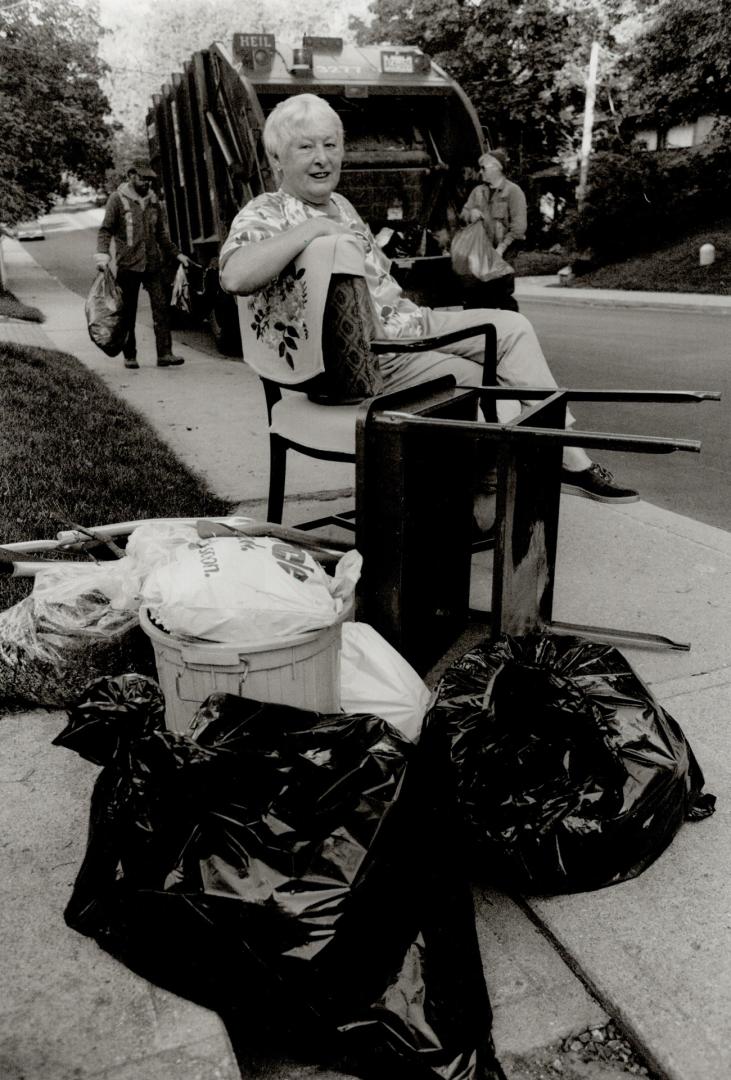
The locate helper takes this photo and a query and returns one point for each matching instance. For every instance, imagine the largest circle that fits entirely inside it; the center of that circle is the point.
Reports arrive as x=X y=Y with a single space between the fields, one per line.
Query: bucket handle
x=243 y=675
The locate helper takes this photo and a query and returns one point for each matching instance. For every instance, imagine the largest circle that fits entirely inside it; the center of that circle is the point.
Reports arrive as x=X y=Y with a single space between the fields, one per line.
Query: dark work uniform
x=143 y=247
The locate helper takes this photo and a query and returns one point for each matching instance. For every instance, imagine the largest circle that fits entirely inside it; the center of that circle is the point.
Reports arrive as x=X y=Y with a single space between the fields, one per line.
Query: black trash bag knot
x=111 y=712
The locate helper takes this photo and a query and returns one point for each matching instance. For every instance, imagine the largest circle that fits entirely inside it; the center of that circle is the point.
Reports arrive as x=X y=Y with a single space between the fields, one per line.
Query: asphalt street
x=637 y=348
x=587 y=346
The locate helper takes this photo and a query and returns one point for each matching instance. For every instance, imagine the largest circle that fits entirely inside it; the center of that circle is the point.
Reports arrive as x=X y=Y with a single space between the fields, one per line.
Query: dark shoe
x=131 y=362
x=170 y=361
x=596 y=482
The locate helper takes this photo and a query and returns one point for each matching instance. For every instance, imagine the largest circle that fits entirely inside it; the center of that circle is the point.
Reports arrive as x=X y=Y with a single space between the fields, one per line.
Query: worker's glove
x=184 y=260
x=475 y=215
x=102 y=261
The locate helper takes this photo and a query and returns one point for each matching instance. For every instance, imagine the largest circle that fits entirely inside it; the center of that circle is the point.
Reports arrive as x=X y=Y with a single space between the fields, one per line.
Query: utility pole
x=588 y=123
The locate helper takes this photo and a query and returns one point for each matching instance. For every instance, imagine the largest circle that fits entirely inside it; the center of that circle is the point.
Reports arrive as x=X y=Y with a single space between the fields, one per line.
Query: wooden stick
x=79 y=538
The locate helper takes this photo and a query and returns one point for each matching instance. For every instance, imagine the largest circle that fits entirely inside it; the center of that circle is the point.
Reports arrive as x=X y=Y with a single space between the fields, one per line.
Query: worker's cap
x=143 y=169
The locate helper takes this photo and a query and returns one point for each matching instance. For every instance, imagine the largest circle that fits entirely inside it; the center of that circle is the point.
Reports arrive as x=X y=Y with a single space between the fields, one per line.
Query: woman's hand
x=324 y=226
x=252 y=266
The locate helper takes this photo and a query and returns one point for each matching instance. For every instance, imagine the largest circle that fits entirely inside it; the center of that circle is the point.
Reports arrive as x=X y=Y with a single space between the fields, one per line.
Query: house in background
x=679 y=136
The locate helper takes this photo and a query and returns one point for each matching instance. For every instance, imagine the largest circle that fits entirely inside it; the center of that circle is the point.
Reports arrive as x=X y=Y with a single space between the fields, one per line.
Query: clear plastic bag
x=104 y=310
x=66 y=633
x=473 y=256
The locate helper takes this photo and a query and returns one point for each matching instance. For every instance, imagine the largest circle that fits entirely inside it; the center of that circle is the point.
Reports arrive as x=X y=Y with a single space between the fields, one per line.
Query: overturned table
x=414 y=466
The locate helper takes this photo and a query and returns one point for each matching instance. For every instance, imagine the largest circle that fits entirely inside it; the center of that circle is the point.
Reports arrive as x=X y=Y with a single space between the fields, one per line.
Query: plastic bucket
x=302 y=670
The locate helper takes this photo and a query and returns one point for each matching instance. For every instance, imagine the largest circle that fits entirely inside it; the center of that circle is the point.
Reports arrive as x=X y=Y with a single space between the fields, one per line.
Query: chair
x=327 y=432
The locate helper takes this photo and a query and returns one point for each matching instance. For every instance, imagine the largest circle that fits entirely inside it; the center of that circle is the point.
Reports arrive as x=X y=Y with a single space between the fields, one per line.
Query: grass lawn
x=532 y=263
x=673 y=268
x=12 y=308
x=74 y=453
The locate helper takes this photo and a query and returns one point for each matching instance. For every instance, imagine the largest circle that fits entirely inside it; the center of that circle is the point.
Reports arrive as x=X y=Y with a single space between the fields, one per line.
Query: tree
x=149 y=40
x=52 y=110
x=680 y=65
x=522 y=62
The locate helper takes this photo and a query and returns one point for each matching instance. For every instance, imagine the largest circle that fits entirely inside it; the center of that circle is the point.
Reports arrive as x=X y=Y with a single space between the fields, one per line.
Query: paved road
x=587 y=346
x=596 y=346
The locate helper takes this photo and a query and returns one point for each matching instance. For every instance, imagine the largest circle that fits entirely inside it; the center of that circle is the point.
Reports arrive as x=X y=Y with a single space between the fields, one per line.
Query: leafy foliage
x=680 y=65
x=522 y=64
x=52 y=111
x=149 y=40
x=638 y=201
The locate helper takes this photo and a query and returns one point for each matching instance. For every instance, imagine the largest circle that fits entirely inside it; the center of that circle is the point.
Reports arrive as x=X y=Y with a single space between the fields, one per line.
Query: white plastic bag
x=375 y=678
x=148 y=546
x=246 y=590
x=180 y=297
x=473 y=256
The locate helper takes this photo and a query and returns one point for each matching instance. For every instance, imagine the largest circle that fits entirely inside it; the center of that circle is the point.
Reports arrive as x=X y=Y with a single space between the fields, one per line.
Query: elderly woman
x=303 y=136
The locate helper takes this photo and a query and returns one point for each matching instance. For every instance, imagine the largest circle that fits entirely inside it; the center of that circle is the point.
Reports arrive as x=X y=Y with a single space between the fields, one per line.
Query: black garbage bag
x=104 y=309
x=292 y=870
x=569 y=774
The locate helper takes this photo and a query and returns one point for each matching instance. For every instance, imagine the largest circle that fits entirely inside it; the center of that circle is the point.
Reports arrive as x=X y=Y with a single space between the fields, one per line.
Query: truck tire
x=224 y=323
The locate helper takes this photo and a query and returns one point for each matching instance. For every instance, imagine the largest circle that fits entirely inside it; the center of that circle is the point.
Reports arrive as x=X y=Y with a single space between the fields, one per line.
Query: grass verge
x=673 y=268
x=530 y=263
x=74 y=453
x=12 y=308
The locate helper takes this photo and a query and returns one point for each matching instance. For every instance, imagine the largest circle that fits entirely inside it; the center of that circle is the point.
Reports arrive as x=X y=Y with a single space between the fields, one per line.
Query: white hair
x=498 y=159
x=285 y=121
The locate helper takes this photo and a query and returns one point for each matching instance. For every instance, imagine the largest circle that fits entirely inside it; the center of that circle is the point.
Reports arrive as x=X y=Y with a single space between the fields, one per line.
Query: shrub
x=638 y=200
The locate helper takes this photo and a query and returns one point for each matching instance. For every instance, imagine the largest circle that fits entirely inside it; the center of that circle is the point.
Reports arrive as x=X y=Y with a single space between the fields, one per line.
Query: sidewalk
x=654 y=952
x=546 y=288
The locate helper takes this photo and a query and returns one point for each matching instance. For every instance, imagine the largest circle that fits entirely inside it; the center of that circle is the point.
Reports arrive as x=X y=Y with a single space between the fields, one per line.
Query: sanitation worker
x=133 y=220
x=501 y=207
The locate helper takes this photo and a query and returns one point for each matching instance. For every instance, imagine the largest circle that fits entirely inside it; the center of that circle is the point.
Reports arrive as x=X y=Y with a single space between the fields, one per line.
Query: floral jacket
x=276 y=211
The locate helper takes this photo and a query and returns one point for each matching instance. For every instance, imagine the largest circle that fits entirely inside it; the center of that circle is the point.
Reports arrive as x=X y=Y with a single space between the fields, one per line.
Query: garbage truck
x=412 y=140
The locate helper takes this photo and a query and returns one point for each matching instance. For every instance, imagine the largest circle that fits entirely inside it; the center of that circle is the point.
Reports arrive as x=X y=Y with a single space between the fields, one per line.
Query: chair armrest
x=424 y=344
x=379 y=346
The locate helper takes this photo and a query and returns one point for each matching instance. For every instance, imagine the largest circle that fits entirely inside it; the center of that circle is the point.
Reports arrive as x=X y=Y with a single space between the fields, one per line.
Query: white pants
x=520 y=362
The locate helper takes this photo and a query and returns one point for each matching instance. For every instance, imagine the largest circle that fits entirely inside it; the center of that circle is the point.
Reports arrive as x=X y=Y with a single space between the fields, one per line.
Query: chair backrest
x=351 y=370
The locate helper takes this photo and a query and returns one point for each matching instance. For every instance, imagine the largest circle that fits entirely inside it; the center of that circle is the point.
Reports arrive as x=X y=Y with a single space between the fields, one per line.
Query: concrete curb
x=545 y=290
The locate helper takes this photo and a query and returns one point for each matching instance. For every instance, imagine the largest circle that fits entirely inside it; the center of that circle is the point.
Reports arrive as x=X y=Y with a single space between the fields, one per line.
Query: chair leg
x=489 y=374
x=277 y=476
